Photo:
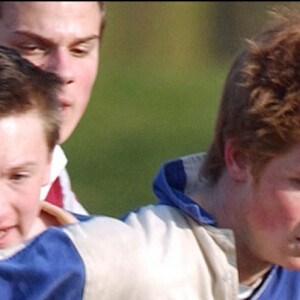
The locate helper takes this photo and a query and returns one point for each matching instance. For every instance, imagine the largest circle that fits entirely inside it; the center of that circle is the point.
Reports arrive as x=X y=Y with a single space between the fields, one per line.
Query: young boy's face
x=24 y=168
x=270 y=217
x=60 y=37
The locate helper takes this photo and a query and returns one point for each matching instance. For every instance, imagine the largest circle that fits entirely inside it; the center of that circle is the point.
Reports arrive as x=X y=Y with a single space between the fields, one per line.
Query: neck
x=213 y=199
x=224 y=201
x=249 y=266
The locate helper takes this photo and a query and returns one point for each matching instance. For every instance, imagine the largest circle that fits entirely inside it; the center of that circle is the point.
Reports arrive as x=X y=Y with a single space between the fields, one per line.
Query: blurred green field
x=162 y=67
x=138 y=118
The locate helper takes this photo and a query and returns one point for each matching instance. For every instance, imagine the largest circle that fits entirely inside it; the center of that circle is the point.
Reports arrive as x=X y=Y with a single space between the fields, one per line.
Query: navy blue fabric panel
x=38 y=271
x=175 y=175
x=82 y=218
x=169 y=185
x=170 y=176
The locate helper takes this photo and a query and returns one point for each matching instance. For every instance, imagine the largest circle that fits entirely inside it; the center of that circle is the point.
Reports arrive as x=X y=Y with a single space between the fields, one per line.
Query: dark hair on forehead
x=24 y=88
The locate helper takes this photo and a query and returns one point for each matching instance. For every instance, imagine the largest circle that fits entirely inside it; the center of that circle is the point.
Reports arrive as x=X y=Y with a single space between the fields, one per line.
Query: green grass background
x=162 y=67
x=139 y=117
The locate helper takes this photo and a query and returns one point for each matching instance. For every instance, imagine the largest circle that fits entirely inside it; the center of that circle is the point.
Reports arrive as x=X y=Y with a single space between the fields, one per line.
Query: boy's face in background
x=61 y=37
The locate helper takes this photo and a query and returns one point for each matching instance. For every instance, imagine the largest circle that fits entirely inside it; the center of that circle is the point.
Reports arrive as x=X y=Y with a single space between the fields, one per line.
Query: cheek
x=86 y=85
x=86 y=89
x=276 y=210
x=32 y=202
x=30 y=211
x=87 y=76
x=31 y=193
x=263 y=218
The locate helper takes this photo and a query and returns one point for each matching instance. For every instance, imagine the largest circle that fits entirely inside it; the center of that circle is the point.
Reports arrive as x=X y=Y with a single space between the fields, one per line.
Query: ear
x=236 y=161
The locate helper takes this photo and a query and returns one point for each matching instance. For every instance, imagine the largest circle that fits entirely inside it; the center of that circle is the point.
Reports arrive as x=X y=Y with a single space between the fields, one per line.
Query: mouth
x=8 y=237
x=64 y=102
x=4 y=233
x=64 y=106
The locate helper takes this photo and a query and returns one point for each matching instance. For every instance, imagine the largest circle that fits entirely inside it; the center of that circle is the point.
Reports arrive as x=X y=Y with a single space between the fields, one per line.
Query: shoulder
x=151 y=231
x=150 y=228
x=150 y=243
x=50 y=258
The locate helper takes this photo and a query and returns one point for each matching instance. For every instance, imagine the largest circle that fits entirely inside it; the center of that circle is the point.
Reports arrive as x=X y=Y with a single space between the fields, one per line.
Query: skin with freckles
x=23 y=170
x=264 y=214
x=60 y=37
x=269 y=215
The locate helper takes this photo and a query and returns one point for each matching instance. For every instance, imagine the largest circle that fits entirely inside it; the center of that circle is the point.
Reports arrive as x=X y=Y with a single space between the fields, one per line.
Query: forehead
x=287 y=163
x=20 y=147
x=13 y=131
x=59 y=19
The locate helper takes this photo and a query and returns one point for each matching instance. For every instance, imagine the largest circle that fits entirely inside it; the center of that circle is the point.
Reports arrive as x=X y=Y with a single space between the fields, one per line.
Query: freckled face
x=61 y=37
x=272 y=214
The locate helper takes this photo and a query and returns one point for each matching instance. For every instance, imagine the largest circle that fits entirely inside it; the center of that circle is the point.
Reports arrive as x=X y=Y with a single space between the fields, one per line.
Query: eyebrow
x=22 y=165
x=49 y=41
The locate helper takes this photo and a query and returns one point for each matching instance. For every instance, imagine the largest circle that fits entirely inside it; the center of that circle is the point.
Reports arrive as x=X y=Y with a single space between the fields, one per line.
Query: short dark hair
x=25 y=87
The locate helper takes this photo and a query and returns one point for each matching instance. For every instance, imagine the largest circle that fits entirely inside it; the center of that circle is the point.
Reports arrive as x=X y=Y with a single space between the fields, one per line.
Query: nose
x=60 y=63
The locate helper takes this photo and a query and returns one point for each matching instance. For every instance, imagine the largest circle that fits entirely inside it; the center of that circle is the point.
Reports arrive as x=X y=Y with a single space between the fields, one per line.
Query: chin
x=64 y=134
x=292 y=264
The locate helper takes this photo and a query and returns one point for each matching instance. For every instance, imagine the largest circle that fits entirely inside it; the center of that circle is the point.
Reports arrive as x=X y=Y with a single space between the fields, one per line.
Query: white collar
x=58 y=163
x=245 y=291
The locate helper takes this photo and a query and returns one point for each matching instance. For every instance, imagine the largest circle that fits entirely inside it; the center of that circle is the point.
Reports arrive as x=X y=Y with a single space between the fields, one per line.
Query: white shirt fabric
x=58 y=169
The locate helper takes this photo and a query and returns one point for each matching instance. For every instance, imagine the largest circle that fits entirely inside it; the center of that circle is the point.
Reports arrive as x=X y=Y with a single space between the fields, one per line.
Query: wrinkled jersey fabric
x=178 y=178
x=49 y=267
x=170 y=250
